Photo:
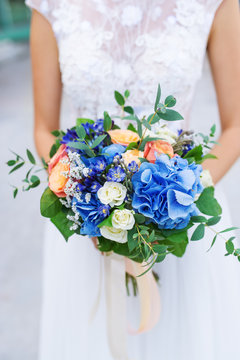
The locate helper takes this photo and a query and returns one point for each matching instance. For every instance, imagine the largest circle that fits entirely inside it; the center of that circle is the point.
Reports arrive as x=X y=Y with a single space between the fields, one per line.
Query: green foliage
x=81 y=121
x=207 y=204
x=128 y=109
x=153 y=119
x=196 y=153
x=158 y=97
x=198 y=234
x=139 y=218
x=107 y=123
x=170 y=101
x=98 y=140
x=11 y=162
x=81 y=133
x=213 y=220
x=50 y=205
x=63 y=224
x=132 y=128
x=126 y=94
x=170 y=115
x=229 y=246
x=18 y=166
x=119 y=98
x=31 y=157
x=107 y=221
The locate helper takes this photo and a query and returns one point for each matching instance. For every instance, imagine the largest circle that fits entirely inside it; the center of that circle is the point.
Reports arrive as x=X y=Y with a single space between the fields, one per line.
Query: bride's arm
x=224 y=56
x=47 y=87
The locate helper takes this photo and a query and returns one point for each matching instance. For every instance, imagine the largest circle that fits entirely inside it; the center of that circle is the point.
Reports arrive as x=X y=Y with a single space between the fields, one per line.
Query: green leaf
x=208 y=156
x=145 y=140
x=146 y=124
x=81 y=133
x=170 y=101
x=132 y=241
x=198 y=219
x=84 y=121
x=213 y=221
x=53 y=150
x=49 y=204
x=170 y=115
x=229 y=229
x=161 y=109
x=158 y=97
x=35 y=181
x=213 y=242
x=196 y=153
x=198 y=233
x=82 y=146
x=107 y=221
x=98 y=140
x=128 y=109
x=179 y=249
x=160 y=249
x=153 y=119
x=152 y=237
x=132 y=145
x=179 y=237
x=63 y=224
x=55 y=133
x=15 y=192
x=107 y=123
x=229 y=247
x=119 y=98
x=131 y=117
x=139 y=128
x=132 y=128
x=140 y=219
x=213 y=130
x=207 y=204
x=127 y=93
x=11 y=162
x=18 y=166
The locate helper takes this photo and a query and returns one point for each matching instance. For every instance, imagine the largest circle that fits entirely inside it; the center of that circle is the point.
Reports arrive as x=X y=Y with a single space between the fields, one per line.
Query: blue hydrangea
x=165 y=191
x=92 y=212
x=109 y=152
x=116 y=174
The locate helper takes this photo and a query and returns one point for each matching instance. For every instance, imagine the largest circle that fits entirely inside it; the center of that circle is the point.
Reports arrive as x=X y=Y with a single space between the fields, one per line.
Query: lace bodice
x=107 y=45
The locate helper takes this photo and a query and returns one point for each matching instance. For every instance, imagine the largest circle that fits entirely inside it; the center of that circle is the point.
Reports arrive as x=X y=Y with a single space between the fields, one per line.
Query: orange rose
x=123 y=137
x=132 y=155
x=58 y=156
x=57 y=180
x=159 y=147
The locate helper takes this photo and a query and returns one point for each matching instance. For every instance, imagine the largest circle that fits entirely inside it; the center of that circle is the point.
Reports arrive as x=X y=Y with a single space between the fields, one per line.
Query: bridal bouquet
x=137 y=190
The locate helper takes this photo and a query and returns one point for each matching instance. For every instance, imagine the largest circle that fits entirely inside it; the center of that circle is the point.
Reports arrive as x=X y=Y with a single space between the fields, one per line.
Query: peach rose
x=123 y=137
x=58 y=156
x=57 y=181
x=159 y=147
x=132 y=155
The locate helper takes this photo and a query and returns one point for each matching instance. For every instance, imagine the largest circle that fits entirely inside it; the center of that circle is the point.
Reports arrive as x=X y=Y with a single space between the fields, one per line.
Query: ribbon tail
x=115 y=291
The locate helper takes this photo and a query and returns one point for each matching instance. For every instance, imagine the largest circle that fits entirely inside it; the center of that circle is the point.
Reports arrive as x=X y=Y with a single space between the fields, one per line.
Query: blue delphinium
x=98 y=126
x=165 y=191
x=133 y=167
x=95 y=186
x=116 y=174
x=92 y=212
x=100 y=165
x=70 y=135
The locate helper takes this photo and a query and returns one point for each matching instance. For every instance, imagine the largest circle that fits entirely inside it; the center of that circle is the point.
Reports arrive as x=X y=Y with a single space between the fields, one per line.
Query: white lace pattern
x=107 y=45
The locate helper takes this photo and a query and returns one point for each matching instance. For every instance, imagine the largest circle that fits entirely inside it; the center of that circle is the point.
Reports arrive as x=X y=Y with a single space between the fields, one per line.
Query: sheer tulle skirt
x=200 y=297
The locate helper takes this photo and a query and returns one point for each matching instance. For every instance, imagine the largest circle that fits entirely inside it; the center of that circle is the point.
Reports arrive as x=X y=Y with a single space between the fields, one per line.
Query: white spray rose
x=206 y=178
x=123 y=219
x=112 y=193
x=114 y=234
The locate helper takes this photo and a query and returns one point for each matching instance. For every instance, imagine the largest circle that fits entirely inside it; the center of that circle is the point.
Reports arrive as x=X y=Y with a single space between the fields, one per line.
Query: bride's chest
x=111 y=44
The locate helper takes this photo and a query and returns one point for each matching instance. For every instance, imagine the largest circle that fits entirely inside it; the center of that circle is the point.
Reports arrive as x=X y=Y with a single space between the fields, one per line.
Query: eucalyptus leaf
x=153 y=119
x=213 y=242
x=18 y=166
x=119 y=98
x=170 y=115
x=207 y=204
x=213 y=220
x=15 y=192
x=229 y=247
x=170 y=101
x=98 y=140
x=84 y=121
x=132 y=128
x=128 y=109
x=81 y=133
x=158 y=97
x=11 y=162
x=107 y=123
x=146 y=124
x=198 y=234
x=127 y=93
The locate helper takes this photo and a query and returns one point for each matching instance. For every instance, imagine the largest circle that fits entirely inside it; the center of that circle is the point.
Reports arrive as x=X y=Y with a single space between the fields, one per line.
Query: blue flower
x=92 y=213
x=80 y=187
x=98 y=126
x=109 y=152
x=133 y=167
x=95 y=186
x=165 y=191
x=100 y=165
x=71 y=135
x=116 y=174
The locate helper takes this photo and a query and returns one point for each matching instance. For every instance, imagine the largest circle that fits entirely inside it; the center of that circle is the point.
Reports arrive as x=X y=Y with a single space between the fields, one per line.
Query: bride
x=89 y=49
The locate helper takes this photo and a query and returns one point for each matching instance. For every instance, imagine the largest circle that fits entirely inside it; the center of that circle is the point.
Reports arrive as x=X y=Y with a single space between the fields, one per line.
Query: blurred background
x=21 y=239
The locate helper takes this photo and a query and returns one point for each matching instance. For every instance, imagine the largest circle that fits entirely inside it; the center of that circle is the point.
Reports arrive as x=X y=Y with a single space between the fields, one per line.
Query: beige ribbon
x=115 y=267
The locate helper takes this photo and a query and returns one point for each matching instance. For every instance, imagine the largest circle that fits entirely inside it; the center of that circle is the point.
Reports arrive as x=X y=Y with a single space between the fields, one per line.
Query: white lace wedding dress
x=135 y=44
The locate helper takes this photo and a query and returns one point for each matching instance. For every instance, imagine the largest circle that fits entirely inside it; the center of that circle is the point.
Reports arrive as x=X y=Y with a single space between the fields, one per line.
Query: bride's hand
x=95 y=242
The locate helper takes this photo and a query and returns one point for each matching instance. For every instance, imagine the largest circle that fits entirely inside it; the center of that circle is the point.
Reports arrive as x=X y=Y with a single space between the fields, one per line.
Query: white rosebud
x=206 y=178
x=112 y=193
x=114 y=234
x=123 y=219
